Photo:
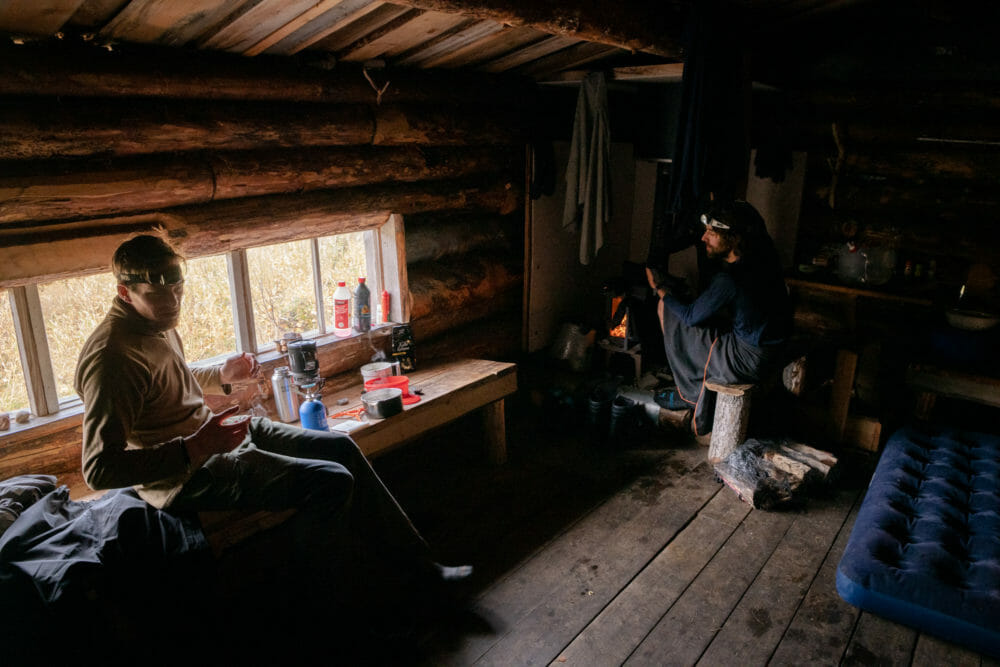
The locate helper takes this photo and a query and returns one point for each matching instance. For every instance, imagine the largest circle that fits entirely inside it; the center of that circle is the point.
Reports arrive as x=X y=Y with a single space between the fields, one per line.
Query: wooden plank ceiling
x=543 y=40
x=509 y=36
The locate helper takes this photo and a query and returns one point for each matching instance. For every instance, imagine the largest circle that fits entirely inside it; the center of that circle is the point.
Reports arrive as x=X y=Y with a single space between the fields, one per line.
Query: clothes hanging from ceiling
x=710 y=155
x=588 y=174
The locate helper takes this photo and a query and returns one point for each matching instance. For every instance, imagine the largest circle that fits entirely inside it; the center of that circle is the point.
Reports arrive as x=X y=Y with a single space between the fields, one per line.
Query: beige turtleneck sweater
x=140 y=398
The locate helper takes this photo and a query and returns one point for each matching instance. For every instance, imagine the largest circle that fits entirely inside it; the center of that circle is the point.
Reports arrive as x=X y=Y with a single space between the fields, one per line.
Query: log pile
x=769 y=474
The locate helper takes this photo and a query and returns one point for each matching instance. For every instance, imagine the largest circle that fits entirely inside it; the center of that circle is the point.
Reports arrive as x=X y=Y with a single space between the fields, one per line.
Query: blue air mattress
x=925 y=548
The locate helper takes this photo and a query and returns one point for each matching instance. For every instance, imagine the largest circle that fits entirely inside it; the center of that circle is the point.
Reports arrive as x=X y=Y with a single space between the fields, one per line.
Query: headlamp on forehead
x=170 y=275
x=709 y=221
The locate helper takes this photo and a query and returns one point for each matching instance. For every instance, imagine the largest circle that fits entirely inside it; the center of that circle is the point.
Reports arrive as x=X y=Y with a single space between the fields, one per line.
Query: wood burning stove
x=631 y=326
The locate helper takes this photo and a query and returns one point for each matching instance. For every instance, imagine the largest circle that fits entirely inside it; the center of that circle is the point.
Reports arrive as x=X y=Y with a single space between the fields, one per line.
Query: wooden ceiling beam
x=667 y=72
x=646 y=26
x=58 y=69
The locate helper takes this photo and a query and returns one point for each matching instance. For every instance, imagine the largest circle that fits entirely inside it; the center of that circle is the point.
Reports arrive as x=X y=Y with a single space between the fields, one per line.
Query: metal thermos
x=286 y=399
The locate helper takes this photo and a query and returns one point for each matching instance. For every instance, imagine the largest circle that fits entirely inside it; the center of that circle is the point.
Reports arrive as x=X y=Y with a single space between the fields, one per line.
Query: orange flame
x=621 y=330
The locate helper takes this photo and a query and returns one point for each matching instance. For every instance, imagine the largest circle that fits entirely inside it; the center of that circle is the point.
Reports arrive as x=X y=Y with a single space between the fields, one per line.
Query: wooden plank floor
x=638 y=556
x=595 y=556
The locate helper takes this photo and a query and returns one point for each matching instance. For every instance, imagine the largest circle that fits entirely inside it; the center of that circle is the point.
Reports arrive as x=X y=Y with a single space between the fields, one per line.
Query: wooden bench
x=449 y=390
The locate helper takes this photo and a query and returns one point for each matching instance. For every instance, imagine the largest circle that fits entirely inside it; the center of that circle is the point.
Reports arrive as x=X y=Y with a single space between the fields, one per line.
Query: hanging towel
x=588 y=189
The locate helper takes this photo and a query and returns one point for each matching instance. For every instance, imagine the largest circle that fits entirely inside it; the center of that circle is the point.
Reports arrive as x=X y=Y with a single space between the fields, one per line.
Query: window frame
x=385 y=261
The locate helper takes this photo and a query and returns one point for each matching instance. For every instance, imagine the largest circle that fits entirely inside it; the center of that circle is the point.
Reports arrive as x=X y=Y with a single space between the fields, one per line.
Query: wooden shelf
x=931 y=379
x=857 y=292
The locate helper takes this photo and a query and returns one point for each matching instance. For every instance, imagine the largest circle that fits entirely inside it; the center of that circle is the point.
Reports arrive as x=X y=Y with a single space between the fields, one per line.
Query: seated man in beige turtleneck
x=146 y=425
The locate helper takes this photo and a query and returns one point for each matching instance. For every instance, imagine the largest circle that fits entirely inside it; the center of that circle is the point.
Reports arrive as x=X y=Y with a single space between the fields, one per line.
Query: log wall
x=226 y=153
x=917 y=167
x=914 y=168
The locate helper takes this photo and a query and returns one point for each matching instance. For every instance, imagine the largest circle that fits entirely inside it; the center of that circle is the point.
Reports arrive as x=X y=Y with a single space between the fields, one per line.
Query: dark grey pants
x=700 y=354
x=319 y=472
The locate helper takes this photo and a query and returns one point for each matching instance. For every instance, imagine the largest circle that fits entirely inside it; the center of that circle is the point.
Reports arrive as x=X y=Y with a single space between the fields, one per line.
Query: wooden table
x=447 y=391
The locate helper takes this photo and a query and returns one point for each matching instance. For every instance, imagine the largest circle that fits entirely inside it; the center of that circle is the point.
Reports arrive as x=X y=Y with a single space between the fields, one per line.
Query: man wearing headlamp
x=733 y=331
x=146 y=425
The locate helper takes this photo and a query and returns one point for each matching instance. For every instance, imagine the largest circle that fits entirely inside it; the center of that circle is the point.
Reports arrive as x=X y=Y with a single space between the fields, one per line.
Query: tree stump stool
x=732 y=414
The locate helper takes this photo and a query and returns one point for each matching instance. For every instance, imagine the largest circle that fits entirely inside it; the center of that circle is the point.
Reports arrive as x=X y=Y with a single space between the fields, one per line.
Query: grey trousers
x=318 y=472
x=700 y=354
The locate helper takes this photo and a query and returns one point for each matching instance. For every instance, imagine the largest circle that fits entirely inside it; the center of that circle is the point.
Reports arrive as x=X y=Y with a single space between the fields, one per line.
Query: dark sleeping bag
x=85 y=572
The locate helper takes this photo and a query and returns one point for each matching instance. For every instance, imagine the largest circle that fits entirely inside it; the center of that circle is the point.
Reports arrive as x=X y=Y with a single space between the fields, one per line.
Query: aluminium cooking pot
x=382 y=403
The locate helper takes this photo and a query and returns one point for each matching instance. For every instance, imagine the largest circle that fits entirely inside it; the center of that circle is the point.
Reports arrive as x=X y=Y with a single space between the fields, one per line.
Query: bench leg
x=495 y=429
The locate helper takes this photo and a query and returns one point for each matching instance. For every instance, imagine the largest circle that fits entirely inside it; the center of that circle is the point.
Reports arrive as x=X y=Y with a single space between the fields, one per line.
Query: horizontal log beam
x=496 y=337
x=59 y=250
x=437 y=237
x=649 y=27
x=58 y=68
x=914 y=104
x=442 y=126
x=968 y=163
x=446 y=296
x=949 y=201
x=46 y=129
x=442 y=324
x=444 y=289
x=936 y=133
x=73 y=189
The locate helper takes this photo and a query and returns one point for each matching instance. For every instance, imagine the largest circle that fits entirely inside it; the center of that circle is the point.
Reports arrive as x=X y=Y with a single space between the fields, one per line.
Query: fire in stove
x=620 y=332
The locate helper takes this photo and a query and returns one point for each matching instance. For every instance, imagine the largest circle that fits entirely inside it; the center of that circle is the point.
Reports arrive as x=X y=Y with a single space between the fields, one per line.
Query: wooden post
x=732 y=412
x=840 y=396
x=495 y=432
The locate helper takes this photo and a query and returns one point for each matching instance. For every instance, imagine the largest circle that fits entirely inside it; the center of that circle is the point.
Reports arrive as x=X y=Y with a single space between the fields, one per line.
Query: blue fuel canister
x=312 y=414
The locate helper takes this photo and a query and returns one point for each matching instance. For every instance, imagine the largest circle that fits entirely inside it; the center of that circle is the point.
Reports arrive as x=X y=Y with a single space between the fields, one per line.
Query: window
x=70 y=310
x=13 y=395
x=342 y=258
x=281 y=290
x=206 y=324
x=243 y=300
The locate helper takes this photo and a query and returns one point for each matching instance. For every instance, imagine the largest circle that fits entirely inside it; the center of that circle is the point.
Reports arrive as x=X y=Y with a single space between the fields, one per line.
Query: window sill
x=37 y=427
x=71 y=416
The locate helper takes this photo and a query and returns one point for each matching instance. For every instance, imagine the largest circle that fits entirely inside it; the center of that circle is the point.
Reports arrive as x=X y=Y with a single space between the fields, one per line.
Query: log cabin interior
x=441 y=130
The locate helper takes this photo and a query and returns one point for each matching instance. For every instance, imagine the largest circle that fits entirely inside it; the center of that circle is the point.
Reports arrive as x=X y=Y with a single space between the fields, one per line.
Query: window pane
x=71 y=309
x=281 y=288
x=206 y=325
x=342 y=257
x=13 y=391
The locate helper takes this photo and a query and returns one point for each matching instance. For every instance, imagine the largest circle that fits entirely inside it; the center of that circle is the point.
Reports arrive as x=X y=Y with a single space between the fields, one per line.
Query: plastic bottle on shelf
x=362 y=307
x=342 y=310
x=384 y=315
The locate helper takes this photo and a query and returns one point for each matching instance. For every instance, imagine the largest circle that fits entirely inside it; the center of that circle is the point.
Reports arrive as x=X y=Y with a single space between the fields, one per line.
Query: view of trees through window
x=206 y=324
x=71 y=309
x=282 y=290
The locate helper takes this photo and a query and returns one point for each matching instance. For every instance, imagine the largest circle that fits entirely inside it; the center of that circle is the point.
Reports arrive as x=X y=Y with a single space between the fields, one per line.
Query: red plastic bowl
x=400 y=382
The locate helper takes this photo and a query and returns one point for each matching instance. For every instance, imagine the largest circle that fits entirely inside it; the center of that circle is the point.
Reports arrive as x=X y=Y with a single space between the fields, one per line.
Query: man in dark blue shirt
x=732 y=332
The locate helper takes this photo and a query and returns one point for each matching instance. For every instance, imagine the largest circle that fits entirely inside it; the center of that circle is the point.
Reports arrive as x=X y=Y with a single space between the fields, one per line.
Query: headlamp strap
x=171 y=275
